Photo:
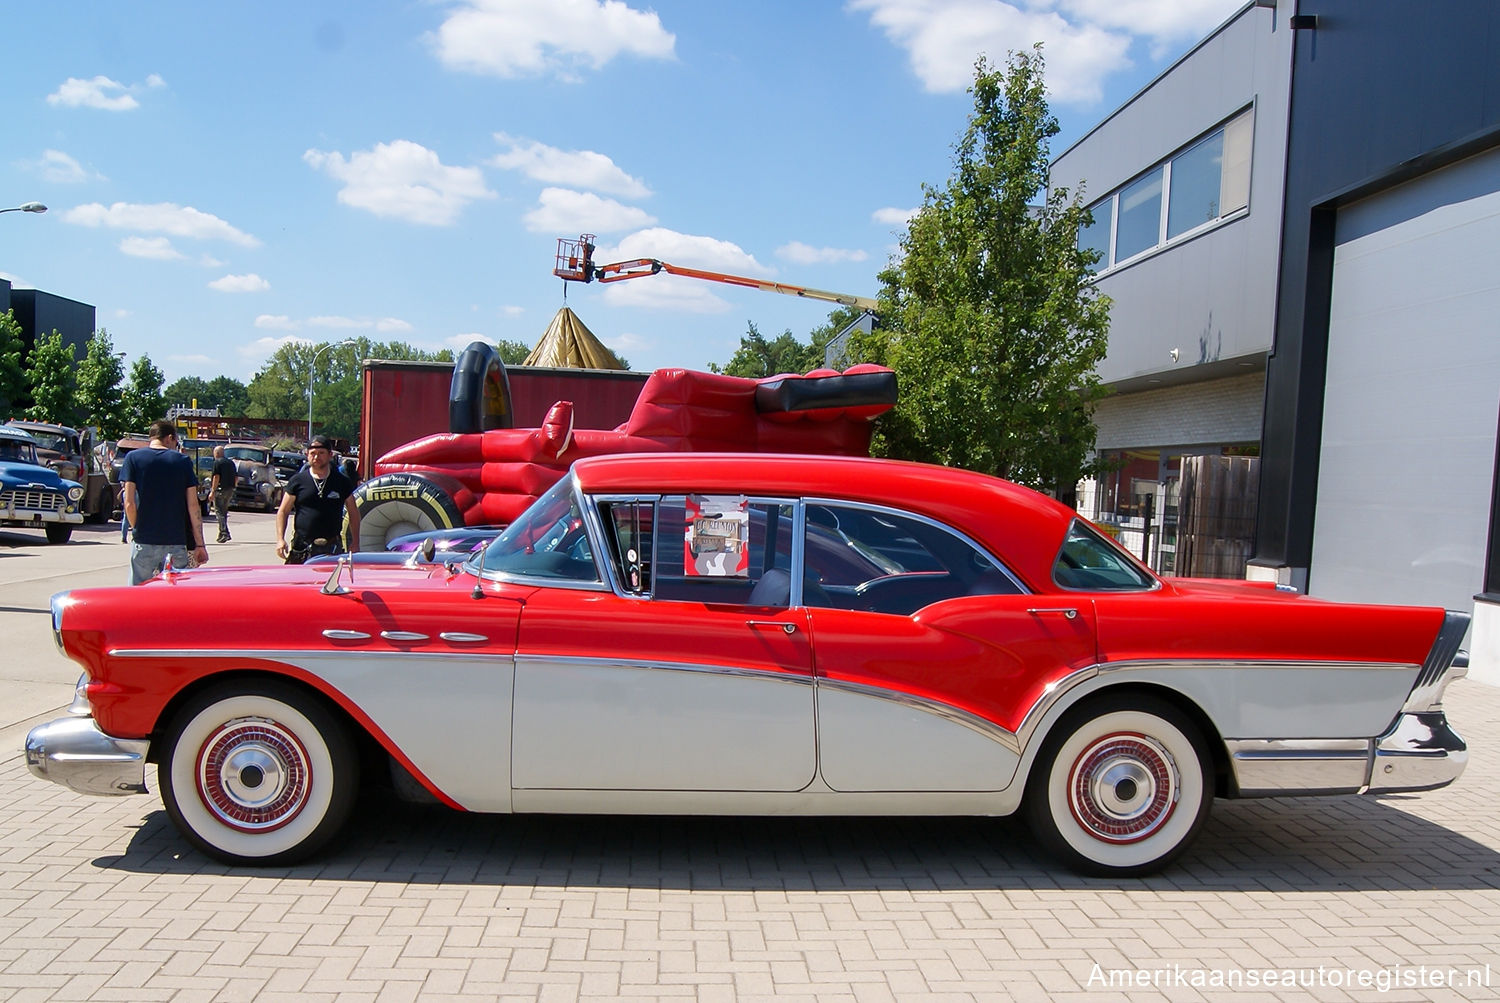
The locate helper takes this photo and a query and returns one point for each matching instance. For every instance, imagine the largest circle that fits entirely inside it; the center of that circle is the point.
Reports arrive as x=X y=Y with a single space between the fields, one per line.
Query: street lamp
x=26 y=207
x=313 y=369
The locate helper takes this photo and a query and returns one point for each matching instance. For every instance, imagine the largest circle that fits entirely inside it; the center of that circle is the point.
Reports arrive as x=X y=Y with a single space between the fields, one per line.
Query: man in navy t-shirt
x=161 y=504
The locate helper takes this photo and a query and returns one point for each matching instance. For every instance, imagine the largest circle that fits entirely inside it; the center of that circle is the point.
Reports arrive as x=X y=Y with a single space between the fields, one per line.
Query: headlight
x=75 y=493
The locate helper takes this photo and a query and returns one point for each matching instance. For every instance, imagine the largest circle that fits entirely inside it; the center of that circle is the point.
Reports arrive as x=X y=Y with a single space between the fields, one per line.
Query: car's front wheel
x=258 y=773
x=1121 y=787
x=59 y=532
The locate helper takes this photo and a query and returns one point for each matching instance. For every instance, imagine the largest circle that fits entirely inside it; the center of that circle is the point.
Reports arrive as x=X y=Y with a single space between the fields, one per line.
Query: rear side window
x=1090 y=562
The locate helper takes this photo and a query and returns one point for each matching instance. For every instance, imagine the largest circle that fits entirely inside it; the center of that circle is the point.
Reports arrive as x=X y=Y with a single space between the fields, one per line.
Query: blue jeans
x=146 y=559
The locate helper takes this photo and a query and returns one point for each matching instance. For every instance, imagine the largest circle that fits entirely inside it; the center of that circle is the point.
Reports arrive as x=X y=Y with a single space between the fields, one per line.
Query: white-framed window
x=1200 y=185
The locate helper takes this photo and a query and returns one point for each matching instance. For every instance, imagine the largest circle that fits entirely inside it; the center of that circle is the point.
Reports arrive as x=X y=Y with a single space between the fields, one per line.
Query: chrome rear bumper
x=72 y=751
x=1420 y=752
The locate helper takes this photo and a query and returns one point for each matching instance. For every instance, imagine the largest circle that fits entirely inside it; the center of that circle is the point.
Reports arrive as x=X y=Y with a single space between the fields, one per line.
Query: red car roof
x=1022 y=527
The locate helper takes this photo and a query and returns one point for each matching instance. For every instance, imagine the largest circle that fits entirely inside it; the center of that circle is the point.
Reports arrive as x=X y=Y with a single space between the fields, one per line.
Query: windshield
x=17 y=451
x=245 y=453
x=547 y=541
x=56 y=443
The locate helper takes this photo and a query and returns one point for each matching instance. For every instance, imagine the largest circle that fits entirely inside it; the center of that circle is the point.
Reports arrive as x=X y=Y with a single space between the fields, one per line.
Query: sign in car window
x=716 y=536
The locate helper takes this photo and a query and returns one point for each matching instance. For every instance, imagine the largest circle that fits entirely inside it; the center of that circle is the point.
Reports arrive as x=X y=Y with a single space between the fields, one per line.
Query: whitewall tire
x=1121 y=786
x=258 y=773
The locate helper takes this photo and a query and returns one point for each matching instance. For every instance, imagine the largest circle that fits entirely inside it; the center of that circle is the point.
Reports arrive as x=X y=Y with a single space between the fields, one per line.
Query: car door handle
x=1067 y=611
x=462 y=637
x=790 y=628
x=346 y=635
x=402 y=635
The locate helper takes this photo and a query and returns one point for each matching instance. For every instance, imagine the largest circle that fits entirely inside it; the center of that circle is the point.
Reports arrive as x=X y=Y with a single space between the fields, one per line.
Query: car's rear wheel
x=258 y=773
x=58 y=532
x=1121 y=786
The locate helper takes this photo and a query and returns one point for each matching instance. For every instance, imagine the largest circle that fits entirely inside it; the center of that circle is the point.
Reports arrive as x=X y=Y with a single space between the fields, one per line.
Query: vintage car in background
x=258 y=483
x=34 y=496
x=741 y=634
x=70 y=451
x=485 y=472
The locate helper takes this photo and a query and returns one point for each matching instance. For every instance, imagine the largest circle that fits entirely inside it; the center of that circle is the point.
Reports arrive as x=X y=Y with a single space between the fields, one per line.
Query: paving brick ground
x=100 y=900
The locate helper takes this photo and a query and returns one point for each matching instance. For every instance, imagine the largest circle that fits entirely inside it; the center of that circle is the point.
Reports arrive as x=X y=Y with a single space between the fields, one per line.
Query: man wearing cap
x=317 y=497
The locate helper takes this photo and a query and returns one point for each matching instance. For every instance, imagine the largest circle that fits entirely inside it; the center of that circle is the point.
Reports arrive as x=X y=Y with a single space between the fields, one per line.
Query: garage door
x=1413 y=389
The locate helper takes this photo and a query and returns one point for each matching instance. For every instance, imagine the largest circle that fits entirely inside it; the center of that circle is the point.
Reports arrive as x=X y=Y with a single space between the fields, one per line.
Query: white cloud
x=942 y=38
x=156 y=248
x=574 y=168
x=672 y=292
x=276 y=322
x=16 y=281
x=250 y=283
x=161 y=217
x=806 y=254
x=209 y=261
x=560 y=211
x=100 y=92
x=1160 y=22
x=388 y=325
x=893 y=217
x=263 y=348
x=59 y=168
x=338 y=323
x=511 y=38
x=510 y=310
x=402 y=180
x=192 y=360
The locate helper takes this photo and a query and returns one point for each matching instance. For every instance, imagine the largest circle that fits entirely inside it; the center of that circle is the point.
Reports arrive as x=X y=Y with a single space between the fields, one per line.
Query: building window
x=1140 y=216
x=1207 y=181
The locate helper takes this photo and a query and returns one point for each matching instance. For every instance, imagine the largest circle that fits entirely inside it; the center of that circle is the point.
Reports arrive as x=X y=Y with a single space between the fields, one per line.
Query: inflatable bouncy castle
x=483 y=472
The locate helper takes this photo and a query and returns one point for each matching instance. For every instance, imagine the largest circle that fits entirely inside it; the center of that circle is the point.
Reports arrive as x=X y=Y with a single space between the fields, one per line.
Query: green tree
x=183 y=391
x=512 y=353
x=52 y=381
x=279 y=389
x=990 y=316
x=758 y=357
x=227 y=394
x=100 y=401
x=143 y=398
x=13 y=387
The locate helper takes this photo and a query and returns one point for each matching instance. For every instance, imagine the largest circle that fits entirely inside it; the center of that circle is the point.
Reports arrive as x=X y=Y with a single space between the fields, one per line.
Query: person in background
x=221 y=489
x=161 y=505
x=316 y=499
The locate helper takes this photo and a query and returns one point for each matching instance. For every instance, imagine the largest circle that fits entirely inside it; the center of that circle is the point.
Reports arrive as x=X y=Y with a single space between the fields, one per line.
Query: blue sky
x=223 y=177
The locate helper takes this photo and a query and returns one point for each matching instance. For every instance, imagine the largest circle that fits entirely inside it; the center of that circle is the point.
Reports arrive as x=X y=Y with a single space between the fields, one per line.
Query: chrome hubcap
x=1123 y=787
x=253 y=774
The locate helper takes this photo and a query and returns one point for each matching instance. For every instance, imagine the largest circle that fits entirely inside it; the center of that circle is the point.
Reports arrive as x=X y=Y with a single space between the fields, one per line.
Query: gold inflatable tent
x=569 y=344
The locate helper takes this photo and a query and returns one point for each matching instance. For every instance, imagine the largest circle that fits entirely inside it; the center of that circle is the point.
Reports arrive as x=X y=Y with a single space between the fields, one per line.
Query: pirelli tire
x=393 y=505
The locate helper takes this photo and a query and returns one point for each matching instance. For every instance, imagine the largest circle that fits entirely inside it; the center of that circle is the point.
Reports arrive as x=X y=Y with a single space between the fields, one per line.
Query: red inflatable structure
x=483 y=473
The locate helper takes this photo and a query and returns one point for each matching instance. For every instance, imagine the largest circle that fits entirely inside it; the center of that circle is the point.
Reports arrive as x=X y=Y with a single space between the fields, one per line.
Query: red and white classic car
x=741 y=634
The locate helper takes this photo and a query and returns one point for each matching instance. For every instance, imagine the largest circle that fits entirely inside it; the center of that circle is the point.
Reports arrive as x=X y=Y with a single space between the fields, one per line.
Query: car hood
x=20 y=475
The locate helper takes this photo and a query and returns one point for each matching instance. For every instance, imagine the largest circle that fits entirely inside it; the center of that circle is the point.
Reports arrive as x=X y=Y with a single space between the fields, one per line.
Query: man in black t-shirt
x=317 y=498
x=222 y=490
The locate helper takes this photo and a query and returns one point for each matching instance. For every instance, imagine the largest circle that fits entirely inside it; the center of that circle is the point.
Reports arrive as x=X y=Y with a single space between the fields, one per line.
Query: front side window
x=548 y=541
x=1089 y=562
x=1196 y=175
x=723 y=548
x=884 y=562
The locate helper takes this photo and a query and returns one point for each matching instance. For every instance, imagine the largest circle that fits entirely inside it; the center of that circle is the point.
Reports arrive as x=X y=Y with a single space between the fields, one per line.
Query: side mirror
x=428 y=549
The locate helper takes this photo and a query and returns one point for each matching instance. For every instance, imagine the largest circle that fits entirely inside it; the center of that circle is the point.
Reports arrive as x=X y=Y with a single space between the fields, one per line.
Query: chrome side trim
x=403 y=635
x=332 y=635
x=1059 y=688
x=947 y=712
x=1281 y=767
x=72 y=751
x=292 y=654
x=630 y=663
x=461 y=637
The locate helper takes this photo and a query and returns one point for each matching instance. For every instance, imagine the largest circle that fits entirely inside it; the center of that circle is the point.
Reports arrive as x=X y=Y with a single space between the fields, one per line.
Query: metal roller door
x=1408 y=440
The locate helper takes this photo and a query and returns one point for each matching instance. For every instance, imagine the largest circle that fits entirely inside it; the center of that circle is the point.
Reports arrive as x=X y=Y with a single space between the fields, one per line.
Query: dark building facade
x=41 y=312
x=1353 y=276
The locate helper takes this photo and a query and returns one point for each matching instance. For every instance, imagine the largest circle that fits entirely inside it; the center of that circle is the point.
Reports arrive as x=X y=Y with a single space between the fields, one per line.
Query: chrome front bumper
x=72 y=751
x=1420 y=752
